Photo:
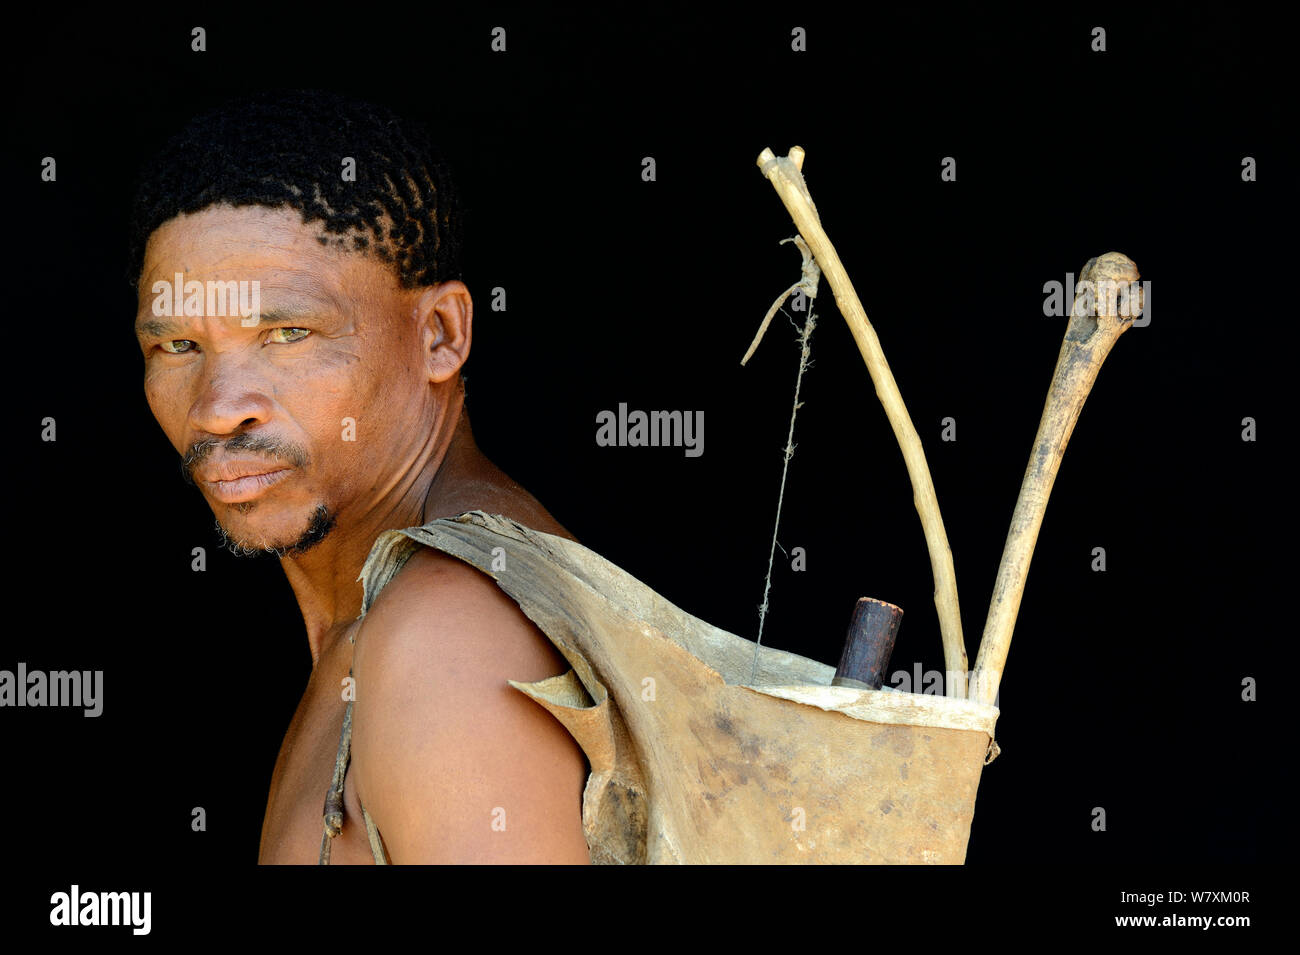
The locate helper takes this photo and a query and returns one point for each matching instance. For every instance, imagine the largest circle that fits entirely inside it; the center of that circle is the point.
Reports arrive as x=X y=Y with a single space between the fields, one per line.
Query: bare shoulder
x=453 y=764
x=439 y=611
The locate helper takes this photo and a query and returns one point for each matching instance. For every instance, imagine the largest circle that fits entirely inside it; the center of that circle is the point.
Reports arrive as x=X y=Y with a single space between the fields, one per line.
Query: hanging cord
x=808 y=285
x=334 y=798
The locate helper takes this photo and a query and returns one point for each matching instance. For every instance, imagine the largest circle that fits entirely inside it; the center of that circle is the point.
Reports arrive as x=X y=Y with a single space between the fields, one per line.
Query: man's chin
x=317 y=528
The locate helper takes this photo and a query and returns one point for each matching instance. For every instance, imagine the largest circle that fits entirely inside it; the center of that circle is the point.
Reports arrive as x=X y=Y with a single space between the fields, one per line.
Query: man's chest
x=304 y=771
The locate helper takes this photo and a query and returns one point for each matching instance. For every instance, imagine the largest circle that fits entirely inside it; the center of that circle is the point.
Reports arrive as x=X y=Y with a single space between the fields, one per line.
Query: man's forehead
x=274 y=246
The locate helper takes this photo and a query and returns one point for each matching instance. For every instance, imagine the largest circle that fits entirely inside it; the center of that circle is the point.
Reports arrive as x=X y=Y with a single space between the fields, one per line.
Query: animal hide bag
x=689 y=764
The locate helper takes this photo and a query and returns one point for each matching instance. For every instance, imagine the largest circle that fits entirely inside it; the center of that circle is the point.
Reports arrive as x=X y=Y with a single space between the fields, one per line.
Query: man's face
x=305 y=420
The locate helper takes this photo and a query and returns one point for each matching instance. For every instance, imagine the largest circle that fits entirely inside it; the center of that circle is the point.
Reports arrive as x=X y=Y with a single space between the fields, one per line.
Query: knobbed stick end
x=1113 y=266
x=1107 y=298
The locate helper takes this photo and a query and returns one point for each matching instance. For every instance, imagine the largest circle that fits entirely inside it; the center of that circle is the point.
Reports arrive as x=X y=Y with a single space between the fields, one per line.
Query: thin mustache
x=200 y=451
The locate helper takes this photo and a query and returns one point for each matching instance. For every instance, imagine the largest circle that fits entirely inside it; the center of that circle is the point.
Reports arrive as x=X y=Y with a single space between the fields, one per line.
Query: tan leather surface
x=688 y=763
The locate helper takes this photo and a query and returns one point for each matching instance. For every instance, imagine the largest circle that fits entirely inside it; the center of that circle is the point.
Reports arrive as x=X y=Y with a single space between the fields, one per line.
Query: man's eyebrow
x=154 y=327
x=157 y=327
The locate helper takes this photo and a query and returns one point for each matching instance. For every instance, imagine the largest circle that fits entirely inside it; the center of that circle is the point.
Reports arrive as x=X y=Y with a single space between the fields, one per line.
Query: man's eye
x=173 y=347
x=289 y=336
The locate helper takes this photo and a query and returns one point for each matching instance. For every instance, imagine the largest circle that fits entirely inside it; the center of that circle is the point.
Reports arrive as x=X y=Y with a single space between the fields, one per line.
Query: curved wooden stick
x=1096 y=322
x=786 y=176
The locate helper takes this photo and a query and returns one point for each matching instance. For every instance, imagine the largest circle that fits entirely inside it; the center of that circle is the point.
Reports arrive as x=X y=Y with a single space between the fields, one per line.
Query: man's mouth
x=234 y=482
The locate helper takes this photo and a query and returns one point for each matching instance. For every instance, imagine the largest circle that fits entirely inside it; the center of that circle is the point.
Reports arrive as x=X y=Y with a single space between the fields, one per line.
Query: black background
x=1123 y=688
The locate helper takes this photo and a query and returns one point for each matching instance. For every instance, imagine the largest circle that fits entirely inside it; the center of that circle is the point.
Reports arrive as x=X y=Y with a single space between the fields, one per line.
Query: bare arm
x=453 y=764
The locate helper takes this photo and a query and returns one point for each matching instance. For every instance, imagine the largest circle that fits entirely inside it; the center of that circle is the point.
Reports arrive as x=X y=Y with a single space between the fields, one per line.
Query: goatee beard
x=321 y=523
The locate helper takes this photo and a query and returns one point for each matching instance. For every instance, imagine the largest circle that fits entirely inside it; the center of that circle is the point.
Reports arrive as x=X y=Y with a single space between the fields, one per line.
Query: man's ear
x=444 y=315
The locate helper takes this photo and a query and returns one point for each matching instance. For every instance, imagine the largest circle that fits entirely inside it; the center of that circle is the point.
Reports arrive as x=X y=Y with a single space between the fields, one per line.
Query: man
x=331 y=411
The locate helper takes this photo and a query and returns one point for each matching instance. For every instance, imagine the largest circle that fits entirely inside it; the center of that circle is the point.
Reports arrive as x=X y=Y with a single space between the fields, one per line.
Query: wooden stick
x=1095 y=325
x=786 y=175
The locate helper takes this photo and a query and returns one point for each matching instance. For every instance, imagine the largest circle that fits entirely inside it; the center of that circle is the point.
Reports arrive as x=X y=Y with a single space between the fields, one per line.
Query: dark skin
x=442 y=747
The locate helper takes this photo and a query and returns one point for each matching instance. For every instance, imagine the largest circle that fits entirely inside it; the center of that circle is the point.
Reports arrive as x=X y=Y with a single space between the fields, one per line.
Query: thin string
x=804 y=350
x=333 y=821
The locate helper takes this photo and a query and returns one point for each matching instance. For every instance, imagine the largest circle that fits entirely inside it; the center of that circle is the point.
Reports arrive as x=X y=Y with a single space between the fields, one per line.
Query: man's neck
x=324 y=580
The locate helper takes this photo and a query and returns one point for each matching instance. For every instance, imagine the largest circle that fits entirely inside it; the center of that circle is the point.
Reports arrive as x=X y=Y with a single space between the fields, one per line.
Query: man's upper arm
x=452 y=763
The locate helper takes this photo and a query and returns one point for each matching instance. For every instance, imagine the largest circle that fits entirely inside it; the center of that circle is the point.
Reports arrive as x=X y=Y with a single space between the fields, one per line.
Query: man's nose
x=230 y=398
